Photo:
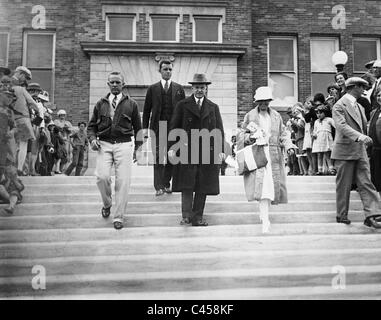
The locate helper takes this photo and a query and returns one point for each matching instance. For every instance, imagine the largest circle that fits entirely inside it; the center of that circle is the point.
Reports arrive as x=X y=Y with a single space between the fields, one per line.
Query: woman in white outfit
x=264 y=126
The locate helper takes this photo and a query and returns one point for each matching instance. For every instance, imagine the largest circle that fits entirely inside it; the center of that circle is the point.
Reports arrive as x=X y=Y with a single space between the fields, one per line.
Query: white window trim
x=7 y=53
x=177 y=28
x=378 y=49
x=337 y=48
x=25 y=46
x=121 y=15
x=219 y=29
x=295 y=71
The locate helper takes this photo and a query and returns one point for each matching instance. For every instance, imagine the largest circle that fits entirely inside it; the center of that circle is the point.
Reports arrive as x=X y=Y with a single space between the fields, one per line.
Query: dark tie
x=199 y=104
x=114 y=102
x=166 y=86
x=358 y=111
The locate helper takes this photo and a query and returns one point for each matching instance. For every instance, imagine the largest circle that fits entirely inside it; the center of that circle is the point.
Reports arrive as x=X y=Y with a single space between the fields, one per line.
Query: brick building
x=70 y=46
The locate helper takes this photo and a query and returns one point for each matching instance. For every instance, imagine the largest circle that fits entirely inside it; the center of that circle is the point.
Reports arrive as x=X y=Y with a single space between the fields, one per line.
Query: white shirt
x=201 y=100
x=163 y=82
x=111 y=98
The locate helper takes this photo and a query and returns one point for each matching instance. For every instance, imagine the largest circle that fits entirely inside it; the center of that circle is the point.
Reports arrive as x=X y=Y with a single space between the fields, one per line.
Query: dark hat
x=369 y=64
x=333 y=85
x=34 y=86
x=4 y=70
x=199 y=78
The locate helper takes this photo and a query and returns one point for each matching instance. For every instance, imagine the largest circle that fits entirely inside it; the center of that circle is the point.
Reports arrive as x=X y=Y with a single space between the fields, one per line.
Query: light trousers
x=118 y=155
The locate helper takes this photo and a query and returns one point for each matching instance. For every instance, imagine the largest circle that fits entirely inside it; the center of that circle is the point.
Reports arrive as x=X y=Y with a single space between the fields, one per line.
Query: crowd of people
x=337 y=134
x=32 y=142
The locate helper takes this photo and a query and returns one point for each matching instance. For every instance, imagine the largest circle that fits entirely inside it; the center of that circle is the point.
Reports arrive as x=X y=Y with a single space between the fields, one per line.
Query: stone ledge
x=128 y=48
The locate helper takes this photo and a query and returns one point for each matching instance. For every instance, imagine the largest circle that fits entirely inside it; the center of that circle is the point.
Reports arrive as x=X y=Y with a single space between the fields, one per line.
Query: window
x=164 y=28
x=4 y=46
x=283 y=70
x=207 y=29
x=364 y=50
x=121 y=28
x=39 y=56
x=322 y=69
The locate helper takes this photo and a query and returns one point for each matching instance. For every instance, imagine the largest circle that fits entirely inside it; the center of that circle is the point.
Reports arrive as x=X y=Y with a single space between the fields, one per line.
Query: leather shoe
x=344 y=220
x=167 y=190
x=118 y=225
x=106 y=212
x=185 y=221
x=372 y=223
x=159 y=192
x=199 y=223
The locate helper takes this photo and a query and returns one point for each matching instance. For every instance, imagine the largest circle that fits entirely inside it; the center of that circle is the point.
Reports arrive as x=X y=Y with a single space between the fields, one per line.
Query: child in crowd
x=298 y=125
x=323 y=140
x=292 y=161
x=10 y=189
x=310 y=117
x=79 y=142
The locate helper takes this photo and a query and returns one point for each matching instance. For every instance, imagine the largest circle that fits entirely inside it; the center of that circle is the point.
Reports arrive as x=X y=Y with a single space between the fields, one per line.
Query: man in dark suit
x=377 y=73
x=196 y=175
x=349 y=153
x=161 y=99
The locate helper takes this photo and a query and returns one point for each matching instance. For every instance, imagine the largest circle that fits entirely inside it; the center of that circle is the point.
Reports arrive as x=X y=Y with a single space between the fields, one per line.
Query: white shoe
x=266 y=226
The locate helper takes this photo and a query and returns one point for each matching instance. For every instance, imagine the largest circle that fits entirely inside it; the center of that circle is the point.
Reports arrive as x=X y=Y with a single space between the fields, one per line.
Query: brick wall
x=303 y=19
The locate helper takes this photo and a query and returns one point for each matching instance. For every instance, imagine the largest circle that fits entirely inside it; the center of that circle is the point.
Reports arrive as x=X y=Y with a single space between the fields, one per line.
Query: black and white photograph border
x=243 y=64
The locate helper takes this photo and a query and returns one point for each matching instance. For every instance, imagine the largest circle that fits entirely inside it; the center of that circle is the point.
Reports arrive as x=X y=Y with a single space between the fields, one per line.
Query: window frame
x=53 y=69
x=6 y=62
x=378 y=50
x=195 y=17
x=120 y=15
x=177 y=27
x=295 y=56
x=337 y=48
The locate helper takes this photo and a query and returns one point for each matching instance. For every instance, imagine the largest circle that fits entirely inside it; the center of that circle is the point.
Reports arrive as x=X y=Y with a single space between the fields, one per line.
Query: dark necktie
x=199 y=104
x=166 y=87
x=114 y=102
x=358 y=111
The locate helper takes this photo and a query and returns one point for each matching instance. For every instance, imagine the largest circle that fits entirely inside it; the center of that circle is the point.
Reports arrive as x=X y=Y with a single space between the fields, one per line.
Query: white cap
x=61 y=112
x=44 y=96
x=25 y=70
x=263 y=93
x=377 y=63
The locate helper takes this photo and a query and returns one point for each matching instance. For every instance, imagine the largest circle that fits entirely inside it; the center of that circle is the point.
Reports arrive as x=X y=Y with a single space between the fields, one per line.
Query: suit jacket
x=374 y=130
x=348 y=130
x=152 y=104
x=373 y=99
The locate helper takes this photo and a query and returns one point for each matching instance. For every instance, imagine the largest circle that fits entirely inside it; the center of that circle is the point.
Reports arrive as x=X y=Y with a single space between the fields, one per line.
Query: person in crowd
x=365 y=99
x=114 y=121
x=333 y=95
x=11 y=187
x=323 y=140
x=374 y=132
x=340 y=79
x=310 y=118
x=376 y=85
x=161 y=99
x=60 y=150
x=292 y=161
x=267 y=184
x=22 y=116
x=351 y=159
x=79 y=143
x=66 y=129
x=298 y=124
x=4 y=71
x=198 y=178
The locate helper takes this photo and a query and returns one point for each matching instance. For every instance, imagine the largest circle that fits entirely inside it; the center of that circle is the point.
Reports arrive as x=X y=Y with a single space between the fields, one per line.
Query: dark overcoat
x=202 y=177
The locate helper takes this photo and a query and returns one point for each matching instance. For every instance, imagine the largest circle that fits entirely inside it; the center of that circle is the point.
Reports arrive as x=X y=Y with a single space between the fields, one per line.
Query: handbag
x=251 y=158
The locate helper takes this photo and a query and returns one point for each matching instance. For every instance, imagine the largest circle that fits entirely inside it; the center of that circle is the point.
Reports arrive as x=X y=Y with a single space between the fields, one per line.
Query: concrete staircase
x=307 y=255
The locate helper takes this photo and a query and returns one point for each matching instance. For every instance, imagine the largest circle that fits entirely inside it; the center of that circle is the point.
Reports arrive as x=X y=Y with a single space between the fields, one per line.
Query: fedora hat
x=356 y=80
x=263 y=93
x=199 y=78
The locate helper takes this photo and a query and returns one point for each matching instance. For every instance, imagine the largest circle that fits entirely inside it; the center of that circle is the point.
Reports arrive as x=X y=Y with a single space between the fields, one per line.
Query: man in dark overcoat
x=161 y=99
x=196 y=170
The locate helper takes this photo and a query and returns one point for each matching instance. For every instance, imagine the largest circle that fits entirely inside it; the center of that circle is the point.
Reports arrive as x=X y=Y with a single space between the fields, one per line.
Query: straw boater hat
x=263 y=93
x=24 y=70
x=199 y=78
x=44 y=96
